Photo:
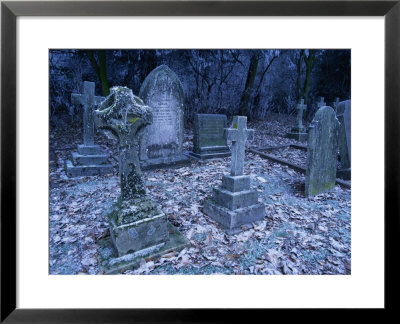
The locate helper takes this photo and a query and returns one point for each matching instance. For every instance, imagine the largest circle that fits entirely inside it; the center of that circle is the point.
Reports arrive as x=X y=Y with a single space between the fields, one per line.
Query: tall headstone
x=322 y=152
x=234 y=204
x=299 y=132
x=88 y=160
x=344 y=116
x=138 y=227
x=161 y=143
x=208 y=136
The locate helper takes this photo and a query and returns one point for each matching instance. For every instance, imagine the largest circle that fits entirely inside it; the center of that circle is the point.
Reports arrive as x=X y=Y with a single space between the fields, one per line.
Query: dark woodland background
x=252 y=83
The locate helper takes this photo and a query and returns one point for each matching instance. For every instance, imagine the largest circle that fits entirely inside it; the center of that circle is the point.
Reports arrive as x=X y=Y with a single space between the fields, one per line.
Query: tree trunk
x=245 y=101
x=100 y=68
x=309 y=60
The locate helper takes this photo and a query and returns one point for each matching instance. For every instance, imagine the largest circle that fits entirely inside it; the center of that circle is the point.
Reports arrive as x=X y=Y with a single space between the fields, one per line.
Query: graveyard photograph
x=200 y=162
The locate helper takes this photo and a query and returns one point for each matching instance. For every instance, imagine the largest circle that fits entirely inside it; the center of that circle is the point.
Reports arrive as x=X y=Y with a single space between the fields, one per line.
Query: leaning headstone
x=88 y=160
x=208 y=137
x=344 y=116
x=161 y=143
x=234 y=204
x=138 y=227
x=322 y=152
x=299 y=132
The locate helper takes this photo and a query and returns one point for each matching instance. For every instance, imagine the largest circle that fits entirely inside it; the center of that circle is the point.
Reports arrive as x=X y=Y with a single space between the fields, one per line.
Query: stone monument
x=322 y=152
x=138 y=227
x=208 y=137
x=321 y=103
x=335 y=103
x=344 y=116
x=234 y=204
x=88 y=160
x=299 y=132
x=161 y=143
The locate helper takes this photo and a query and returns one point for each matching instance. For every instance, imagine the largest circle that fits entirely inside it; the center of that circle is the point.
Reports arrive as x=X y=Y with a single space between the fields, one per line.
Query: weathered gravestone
x=161 y=143
x=299 y=132
x=208 y=136
x=322 y=152
x=88 y=160
x=234 y=204
x=344 y=116
x=138 y=227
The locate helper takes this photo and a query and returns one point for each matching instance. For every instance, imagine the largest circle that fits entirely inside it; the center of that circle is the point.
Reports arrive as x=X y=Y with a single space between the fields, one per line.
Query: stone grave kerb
x=88 y=100
x=238 y=134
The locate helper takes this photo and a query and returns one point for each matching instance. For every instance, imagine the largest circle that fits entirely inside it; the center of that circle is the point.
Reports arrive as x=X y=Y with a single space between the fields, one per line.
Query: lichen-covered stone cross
x=126 y=116
x=88 y=100
x=238 y=134
x=300 y=109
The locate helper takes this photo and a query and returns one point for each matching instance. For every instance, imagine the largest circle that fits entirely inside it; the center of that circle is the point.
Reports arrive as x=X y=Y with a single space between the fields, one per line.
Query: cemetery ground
x=299 y=235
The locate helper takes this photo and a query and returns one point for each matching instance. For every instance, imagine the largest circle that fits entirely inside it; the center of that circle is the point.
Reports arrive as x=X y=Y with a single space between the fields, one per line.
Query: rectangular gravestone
x=161 y=142
x=208 y=136
x=322 y=152
x=344 y=117
x=88 y=160
x=234 y=204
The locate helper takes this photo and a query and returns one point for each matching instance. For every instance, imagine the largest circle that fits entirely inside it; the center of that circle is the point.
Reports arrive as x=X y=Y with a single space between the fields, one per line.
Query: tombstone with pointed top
x=344 y=116
x=234 y=205
x=299 y=132
x=162 y=142
x=88 y=160
x=322 y=151
x=138 y=226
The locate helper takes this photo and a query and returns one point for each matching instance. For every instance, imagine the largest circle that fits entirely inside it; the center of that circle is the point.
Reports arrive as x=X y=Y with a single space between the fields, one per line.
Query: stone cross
x=126 y=116
x=238 y=134
x=300 y=109
x=335 y=104
x=321 y=103
x=88 y=100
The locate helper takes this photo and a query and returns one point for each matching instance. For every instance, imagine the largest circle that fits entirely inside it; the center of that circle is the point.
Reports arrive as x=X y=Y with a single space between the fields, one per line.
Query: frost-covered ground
x=298 y=235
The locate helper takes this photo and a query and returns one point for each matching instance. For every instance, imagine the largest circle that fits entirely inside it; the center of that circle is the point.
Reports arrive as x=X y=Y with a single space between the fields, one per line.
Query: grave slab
x=344 y=117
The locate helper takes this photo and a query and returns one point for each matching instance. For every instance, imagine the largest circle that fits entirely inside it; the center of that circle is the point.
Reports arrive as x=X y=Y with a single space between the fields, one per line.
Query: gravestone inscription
x=138 y=227
x=161 y=143
x=234 y=204
x=208 y=136
x=88 y=160
x=344 y=116
x=322 y=152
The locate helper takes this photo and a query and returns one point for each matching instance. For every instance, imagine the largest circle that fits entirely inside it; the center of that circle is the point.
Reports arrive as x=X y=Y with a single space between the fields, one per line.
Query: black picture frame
x=10 y=10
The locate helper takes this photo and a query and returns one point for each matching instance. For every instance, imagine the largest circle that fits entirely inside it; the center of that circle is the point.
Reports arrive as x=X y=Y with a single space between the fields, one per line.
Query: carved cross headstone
x=238 y=134
x=300 y=109
x=88 y=100
x=322 y=103
x=126 y=116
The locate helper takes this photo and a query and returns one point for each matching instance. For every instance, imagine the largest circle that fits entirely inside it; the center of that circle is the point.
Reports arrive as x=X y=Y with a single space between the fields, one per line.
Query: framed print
x=165 y=78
